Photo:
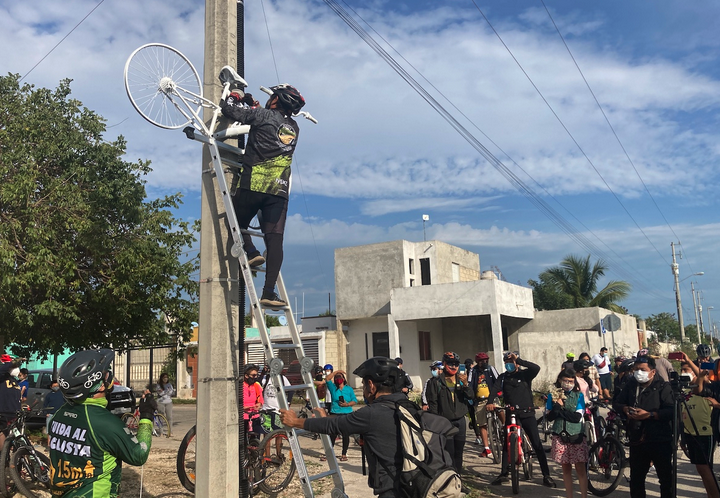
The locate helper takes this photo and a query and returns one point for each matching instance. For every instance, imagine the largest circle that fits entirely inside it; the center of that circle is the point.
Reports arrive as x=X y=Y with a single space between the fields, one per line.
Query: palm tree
x=578 y=280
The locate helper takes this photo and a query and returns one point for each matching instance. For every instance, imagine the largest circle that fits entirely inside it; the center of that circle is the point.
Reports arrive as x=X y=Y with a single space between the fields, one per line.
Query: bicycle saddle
x=228 y=75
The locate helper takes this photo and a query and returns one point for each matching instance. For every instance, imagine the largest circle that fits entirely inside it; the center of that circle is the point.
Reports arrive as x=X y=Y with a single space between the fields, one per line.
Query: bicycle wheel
x=494 y=438
x=130 y=421
x=163 y=85
x=278 y=466
x=606 y=466
x=31 y=472
x=527 y=458
x=7 y=485
x=601 y=426
x=186 y=460
x=161 y=426
x=514 y=467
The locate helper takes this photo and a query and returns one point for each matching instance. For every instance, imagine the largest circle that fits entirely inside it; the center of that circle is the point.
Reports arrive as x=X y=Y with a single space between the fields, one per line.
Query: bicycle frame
x=513 y=426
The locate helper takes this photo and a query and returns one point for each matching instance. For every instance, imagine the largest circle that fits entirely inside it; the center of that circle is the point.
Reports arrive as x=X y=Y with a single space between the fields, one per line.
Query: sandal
x=343 y=458
x=323 y=459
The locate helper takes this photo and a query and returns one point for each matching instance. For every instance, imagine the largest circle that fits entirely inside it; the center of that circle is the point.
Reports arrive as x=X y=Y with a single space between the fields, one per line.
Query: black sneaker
x=500 y=479
x=271 y=299
x=549 y=482
x=255 y=260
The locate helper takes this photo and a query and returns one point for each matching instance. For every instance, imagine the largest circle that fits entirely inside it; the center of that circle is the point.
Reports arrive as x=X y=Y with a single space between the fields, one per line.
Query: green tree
x=547 y=297
x=665 y=325
x=85 y=259
x=270 y=320
x=576 y=278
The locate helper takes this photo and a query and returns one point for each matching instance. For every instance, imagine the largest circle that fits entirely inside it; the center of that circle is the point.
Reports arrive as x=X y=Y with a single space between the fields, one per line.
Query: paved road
x=481 y=470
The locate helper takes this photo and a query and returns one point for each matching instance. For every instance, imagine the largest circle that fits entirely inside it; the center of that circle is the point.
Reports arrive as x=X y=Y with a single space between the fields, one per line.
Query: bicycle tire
x=527 y=457
x=156 y=77
x=31 y=472
x=7 y=485
x=185 y=462
x=130 y=421
x=602 y=426
x=161 y=426
x=514 y=468
x=493 y=439
x=278 y=469
x=606 y=466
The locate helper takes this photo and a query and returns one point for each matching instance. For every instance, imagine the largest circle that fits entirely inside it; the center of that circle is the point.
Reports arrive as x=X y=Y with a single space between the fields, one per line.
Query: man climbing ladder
x=265 y=176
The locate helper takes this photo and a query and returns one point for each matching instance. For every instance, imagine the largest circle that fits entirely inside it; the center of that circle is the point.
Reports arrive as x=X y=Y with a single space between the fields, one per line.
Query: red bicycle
x=518 y=451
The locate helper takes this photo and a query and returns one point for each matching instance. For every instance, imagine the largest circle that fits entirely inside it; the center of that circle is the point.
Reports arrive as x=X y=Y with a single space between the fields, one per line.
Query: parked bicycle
x=495 y=427
x=606 y=459
x=24 y=469
x=161 y=426
x=269 y=464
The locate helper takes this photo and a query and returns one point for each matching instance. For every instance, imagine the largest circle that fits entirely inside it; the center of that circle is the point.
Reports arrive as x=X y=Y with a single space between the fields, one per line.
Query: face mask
x=568 y=386
x=55 y=388
x=434 y=373
x=15 y=372
x=686 y=377
x=642 y=376
x=328 y=372
x=509 y=367
x=251 y=380
x=482 y=365
x=451 y=370
x=338 y=382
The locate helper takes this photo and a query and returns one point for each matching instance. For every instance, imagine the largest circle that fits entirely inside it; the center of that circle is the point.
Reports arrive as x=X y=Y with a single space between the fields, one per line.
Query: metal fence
x=136 y=368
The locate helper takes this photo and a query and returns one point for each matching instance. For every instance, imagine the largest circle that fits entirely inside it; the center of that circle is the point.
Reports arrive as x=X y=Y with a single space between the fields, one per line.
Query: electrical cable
x=612 y=128
x=528 y=192
x=62 y=40
x=267 y=28
x=598 y=252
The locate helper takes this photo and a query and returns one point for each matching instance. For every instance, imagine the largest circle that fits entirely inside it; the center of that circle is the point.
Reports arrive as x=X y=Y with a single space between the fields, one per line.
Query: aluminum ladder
x=230 y=158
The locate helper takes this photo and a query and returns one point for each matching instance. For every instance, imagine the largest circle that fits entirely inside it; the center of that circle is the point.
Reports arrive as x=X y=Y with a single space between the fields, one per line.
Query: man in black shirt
x=516 y=386
x=407 y=383
x=647 y=400
x=265 y=176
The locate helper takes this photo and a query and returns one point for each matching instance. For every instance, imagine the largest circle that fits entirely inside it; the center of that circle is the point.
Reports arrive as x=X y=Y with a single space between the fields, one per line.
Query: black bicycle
x=25 y=469
x=606 y=460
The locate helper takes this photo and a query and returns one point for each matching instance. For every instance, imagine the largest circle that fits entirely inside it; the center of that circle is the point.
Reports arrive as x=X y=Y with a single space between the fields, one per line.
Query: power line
x=267 y=28
x=579 y=147
x=523 y=188
x=63 y=39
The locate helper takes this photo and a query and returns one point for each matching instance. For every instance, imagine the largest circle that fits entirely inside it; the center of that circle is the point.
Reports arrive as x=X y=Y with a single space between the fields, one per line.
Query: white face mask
x=568 y=386
x=328 y=372
x=15 y=372
x=687 y=377
x=642 y=376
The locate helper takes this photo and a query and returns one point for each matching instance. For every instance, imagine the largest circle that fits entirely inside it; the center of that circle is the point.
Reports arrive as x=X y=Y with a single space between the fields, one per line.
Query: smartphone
x=675 y=356
x=341 y=399
x=707 y=365
x=461 y=369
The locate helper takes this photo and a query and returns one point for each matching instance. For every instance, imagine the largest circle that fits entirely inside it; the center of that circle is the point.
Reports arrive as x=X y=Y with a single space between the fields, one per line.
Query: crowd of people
x=643 y=389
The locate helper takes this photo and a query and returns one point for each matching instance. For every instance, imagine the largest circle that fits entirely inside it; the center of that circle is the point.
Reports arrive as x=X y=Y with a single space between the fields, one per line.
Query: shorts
x=481 y=412
x=273 y=209
x=606 y=381
x=699 y=448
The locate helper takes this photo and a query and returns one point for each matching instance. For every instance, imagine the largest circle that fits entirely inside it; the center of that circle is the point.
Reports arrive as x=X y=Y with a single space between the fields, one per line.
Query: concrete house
x=419 y=299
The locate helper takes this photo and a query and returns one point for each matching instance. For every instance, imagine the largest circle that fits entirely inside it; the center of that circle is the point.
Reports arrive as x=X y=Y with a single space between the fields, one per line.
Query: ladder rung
x=285 y=346
x=296 y=387
x=252 y=233
x=321 y=475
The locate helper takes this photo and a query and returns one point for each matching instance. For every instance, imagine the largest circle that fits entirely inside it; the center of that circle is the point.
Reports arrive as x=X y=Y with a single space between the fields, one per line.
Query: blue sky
x=381 y=157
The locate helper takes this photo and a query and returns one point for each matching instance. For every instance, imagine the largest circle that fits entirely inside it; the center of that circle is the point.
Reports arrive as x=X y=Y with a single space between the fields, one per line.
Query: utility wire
x=596 y=250
x=569 y=133
x=612 y=128
x=267 y=28
x=63 y=39
x=527 y=191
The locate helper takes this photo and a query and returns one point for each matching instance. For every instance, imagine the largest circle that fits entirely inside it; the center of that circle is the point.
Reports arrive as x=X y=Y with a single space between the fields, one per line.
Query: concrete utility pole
x=217 y=414
x=695 y=306
x=676 y=273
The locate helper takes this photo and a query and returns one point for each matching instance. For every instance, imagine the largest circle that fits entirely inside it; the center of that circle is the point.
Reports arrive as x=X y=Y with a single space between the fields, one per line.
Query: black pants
x=273 y=213
x=456 y=445
x=530 y=428
x=345 y=438
x=641 y=456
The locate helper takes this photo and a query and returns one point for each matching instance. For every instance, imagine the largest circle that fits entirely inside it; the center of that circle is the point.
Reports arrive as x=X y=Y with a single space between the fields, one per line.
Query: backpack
x=427 y=470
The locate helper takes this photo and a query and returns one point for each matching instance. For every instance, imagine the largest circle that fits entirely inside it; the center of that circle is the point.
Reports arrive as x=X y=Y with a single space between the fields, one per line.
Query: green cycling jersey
x=87 y=447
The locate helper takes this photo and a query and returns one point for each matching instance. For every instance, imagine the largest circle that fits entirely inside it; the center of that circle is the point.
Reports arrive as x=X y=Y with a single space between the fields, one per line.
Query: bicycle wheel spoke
x=276 y=462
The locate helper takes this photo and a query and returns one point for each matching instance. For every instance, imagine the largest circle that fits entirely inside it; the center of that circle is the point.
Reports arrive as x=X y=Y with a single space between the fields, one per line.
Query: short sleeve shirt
x=598 y=360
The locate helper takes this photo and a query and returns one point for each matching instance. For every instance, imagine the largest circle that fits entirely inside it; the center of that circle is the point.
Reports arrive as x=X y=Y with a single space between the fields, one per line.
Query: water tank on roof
x=488 y=275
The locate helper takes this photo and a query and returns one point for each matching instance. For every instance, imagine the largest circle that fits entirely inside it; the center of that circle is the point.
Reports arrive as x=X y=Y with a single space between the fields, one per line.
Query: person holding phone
x=343 y=399
x=447 y=395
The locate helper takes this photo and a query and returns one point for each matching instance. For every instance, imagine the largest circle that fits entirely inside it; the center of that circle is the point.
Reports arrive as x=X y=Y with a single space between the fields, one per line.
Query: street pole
x=709 y=322
x=217 y=422
x=695 y=307
x=676 y=273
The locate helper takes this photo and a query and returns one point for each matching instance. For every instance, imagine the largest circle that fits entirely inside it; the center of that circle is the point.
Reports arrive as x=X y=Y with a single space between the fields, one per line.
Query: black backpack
x=427 y=470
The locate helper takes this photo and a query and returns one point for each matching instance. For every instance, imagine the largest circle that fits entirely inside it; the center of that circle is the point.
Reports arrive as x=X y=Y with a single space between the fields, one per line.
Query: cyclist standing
x=265 y=176
x=482 y=379
x=9 y=392
x=87 y=442
x=516 y=386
